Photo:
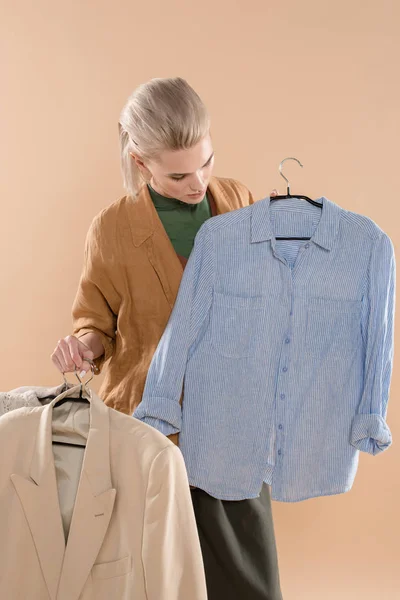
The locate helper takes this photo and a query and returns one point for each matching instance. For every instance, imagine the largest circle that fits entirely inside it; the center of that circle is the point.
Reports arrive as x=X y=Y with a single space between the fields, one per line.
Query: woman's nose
x=198 y=182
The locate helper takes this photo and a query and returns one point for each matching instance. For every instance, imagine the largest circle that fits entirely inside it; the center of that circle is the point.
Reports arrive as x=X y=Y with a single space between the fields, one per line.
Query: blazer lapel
x=39 y=498
x=146 y=228
x=165 y=262
x=221 y=201
x=93 y=506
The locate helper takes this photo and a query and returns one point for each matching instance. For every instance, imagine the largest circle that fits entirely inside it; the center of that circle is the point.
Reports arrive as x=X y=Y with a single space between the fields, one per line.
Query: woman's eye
x=177 y=178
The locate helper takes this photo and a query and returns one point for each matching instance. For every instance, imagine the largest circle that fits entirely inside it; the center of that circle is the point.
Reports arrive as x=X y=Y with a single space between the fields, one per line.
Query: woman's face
x=183 y=174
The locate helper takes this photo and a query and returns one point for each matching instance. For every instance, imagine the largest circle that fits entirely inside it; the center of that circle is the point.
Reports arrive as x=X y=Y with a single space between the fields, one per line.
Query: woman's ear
x=140 y=165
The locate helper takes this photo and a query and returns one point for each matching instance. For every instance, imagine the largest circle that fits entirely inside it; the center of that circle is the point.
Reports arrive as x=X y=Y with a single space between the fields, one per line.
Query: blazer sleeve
x=160 y=406
x=171 y=551
x=96 y=294
x=370 y=432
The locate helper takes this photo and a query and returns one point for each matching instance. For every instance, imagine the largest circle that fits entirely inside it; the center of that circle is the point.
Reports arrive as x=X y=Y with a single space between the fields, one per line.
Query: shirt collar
x=325 y=233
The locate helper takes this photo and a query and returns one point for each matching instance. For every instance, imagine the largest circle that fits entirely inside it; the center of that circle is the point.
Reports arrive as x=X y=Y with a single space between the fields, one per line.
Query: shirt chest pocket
x=333 y=326
x=233 y=325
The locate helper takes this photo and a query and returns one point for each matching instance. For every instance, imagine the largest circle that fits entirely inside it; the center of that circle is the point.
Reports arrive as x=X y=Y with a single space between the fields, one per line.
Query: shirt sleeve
x=160 y=406
x=370 y=432
x=92 y=310
x=171 y=552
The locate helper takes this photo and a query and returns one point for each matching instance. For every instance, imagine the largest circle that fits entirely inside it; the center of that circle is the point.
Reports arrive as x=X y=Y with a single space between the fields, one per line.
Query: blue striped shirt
x=284 y=350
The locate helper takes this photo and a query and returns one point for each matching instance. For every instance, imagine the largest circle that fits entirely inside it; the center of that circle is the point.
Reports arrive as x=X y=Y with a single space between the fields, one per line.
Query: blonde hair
x=163 y=114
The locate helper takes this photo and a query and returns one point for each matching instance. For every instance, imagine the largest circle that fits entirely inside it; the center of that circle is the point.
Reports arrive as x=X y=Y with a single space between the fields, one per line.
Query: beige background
x=315 y=79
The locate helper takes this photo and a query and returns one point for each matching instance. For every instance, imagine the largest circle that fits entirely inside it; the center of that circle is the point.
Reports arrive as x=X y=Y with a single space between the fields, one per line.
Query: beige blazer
x=132 y=535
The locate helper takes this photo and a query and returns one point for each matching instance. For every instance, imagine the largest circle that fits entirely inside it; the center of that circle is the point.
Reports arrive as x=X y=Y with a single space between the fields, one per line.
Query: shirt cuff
x=371 y=434
x=161 y=426
x=161 y=413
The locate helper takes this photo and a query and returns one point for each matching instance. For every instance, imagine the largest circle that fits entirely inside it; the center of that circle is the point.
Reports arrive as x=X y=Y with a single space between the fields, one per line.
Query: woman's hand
x=72 y=355
x=274 y=193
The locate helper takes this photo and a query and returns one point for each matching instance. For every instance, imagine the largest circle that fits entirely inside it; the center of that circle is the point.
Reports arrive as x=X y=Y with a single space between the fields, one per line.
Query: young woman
x=136 y=251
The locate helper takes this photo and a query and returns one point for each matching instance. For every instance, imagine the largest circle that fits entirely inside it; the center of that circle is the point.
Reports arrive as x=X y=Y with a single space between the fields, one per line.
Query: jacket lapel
x=39 y=498
x=221 y=203
x=165 y=262
x=146 y=228
x=93 y=506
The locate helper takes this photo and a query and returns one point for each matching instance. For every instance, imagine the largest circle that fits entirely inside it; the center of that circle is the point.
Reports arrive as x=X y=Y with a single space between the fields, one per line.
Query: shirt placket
x=282 y=393
x=283 y=399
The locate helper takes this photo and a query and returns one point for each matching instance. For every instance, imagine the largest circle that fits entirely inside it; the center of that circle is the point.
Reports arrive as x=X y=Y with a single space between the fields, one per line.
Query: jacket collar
x=66 y=568
x=144 y=218
x=325 y=233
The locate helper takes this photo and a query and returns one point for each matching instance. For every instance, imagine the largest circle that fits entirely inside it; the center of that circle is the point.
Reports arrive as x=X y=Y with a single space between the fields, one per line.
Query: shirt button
x=287 y=341
x=283 y=396
x=307 y=246
x=279 y=452
x=280 y=427
x=284 y=369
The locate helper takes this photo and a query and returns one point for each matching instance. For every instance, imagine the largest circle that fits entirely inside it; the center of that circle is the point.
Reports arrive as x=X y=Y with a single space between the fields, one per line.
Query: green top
x=181 y=221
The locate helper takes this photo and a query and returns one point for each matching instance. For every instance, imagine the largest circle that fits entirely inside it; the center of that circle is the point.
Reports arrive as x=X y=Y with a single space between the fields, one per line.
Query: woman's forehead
x=183 y=162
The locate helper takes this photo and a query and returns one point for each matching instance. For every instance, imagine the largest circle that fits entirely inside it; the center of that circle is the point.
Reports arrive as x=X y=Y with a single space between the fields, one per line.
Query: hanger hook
x=84 y=384
x=282 y=175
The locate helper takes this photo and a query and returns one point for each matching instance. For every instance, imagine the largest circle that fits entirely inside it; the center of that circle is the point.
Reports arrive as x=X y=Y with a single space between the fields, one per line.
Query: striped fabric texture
x=284 y=350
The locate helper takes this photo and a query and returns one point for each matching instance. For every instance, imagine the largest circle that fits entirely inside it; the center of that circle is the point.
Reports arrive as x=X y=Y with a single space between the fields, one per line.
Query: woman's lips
x=197 y=195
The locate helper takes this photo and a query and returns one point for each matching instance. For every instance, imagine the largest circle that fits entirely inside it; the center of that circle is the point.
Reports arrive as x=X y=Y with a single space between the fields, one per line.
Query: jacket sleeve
x=96 y=294
x=370 y=432
x=160 y=406
x=171 y=551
